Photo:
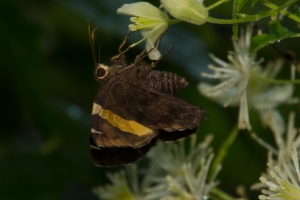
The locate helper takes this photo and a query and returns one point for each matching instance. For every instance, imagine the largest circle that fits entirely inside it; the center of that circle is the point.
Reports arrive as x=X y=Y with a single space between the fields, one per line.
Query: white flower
x=283 y=183
x=150 y=20
x=282 y=180
x=125 y=185
x=234 y=77
x=241 y=82
x=119 y=189
x=264 y=97
x=186 y=171
x=173 y=174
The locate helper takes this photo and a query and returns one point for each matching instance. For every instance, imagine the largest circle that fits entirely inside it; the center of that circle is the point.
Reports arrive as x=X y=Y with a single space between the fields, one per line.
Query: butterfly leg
x=123 y=43
x=92 y=38
x=137 y=59
x=160 y=37
x=117 y=57
x=142 y=55
x=153 y=64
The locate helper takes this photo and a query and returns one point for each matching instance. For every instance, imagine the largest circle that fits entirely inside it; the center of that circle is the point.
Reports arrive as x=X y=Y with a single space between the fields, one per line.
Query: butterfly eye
x=101 y=71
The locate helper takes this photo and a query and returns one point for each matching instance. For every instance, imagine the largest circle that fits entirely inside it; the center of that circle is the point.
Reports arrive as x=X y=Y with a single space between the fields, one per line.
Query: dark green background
x=47 y=89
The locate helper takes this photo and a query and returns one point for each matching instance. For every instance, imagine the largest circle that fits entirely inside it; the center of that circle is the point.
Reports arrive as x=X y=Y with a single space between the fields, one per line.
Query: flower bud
x=191 y=11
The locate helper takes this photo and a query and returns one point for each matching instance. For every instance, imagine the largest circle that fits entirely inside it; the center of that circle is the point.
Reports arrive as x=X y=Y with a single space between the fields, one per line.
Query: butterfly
x=135 y=107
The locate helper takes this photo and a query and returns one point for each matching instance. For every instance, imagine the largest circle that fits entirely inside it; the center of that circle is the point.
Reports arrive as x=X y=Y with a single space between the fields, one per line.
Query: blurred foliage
x=47 y=90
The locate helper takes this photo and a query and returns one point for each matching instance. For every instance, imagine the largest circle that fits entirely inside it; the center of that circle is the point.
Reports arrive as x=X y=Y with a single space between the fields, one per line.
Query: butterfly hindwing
x=104 y=156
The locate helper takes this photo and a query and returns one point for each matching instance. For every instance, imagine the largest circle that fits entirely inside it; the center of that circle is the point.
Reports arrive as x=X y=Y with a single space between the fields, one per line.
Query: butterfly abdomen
x=165 y=82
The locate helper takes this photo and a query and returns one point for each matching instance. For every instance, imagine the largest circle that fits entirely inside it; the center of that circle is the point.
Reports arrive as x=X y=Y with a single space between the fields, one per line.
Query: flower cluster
x=241 y=83
x=282 y=180
x=176 y=174
x=186 y=171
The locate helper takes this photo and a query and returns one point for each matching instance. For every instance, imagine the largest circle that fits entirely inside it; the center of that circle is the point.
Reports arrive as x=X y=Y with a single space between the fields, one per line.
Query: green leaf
x=277 y=33
x=240 y=4
x=276 y=29
x=253 y=2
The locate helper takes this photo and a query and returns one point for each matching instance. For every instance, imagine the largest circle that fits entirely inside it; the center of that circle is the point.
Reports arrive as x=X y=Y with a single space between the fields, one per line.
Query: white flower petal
x=152 y=36
x=218 y=60
x=143 y=9
x=273 y=68
x=272 y=97
x=243 y=113
x=206 y=88
x=274 y=120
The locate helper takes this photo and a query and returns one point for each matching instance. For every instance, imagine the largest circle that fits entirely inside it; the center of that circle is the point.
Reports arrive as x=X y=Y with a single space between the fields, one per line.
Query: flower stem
x=223 y=151
x=174 y=21
x=275 y=81
x=248 y=18
x=216 y=4
x=216 y=193
x=259 y=16
x=284 y=12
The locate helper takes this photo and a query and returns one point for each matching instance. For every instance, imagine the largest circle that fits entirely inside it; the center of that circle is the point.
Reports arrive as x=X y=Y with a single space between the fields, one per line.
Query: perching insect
x=134 y=107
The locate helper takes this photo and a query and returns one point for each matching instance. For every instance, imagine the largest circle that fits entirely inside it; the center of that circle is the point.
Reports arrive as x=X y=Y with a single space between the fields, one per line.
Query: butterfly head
x=101 y=71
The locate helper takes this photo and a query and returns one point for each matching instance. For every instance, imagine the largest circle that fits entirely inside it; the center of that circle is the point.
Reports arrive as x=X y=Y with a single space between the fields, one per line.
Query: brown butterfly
x=134 y=107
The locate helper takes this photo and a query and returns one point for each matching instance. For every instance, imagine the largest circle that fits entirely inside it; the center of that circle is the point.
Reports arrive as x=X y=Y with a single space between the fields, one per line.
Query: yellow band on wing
x=120 y=123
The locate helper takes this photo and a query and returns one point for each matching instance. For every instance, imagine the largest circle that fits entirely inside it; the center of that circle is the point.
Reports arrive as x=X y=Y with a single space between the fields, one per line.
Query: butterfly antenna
x=92 y=40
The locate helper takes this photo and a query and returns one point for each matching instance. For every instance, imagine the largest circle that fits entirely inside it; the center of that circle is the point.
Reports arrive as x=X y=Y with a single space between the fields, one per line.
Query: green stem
x=249 y=18
x=223 y=151
x=174 y=21
x=216 y=4
x=257 y=17
x=284 y=12
x=276 y=81
x=216 y=193
x=235 y=27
